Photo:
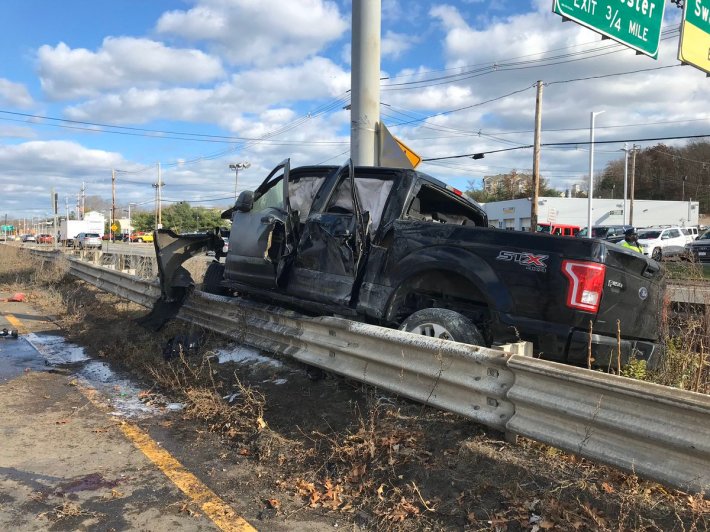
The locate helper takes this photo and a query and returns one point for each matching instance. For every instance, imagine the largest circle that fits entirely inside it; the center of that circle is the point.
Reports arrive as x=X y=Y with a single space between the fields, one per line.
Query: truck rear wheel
x=213 y=279
x=444 y=324
x=657 y=254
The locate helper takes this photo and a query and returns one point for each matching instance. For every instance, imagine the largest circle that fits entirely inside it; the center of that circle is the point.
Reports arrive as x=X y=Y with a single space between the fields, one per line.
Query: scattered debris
x=9 y=333
x=19 y=297
x=182 y=344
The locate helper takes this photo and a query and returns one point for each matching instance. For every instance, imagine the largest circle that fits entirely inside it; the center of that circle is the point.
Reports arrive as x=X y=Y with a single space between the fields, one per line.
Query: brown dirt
x=345 y=451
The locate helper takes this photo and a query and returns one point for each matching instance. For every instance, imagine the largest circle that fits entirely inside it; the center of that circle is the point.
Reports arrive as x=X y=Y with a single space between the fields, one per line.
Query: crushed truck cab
x=399 y=248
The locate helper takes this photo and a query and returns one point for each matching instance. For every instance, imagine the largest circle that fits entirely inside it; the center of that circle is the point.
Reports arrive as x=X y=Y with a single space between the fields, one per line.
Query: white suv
x=659 y=242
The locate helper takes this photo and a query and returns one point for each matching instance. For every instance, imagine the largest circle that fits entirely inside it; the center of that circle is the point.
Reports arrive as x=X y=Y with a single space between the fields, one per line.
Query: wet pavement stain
x=18 y=356
x=90 y=482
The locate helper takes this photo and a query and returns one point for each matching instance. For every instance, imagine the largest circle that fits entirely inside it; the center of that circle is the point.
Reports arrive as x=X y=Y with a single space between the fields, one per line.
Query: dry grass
x=389 y=464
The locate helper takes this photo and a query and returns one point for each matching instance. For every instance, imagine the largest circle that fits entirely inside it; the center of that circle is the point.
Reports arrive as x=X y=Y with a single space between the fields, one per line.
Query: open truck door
x=262 y=239
x=333 y=245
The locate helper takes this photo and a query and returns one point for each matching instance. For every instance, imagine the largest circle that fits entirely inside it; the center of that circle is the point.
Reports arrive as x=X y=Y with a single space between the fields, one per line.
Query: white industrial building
x=515 y=214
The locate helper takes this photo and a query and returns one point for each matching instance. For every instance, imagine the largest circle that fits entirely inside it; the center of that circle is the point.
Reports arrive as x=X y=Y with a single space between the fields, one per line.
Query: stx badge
x=535 y=263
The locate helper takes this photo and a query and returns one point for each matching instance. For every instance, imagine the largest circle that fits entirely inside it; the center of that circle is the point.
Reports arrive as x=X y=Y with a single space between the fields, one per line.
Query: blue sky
x=198 y=84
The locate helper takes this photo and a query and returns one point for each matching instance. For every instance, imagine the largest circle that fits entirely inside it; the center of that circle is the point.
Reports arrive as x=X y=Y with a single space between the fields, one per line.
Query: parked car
x=691 y=233
x=613 y=233
x=45 y=239
x=699 y=249
x=660 y=242
x=87 y=240
x=29 y=238
x=138 y=236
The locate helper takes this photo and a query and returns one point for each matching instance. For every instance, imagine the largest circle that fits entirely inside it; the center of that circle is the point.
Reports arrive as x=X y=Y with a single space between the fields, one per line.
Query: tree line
x=661 y=173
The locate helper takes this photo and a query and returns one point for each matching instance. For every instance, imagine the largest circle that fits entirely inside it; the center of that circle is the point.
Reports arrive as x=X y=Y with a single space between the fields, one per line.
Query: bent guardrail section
x=655 y=431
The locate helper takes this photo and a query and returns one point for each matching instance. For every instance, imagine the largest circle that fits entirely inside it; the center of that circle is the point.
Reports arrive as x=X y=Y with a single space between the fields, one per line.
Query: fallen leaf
x=608 y=488
x=260 y=423
x=273 y=503
x=380 y=491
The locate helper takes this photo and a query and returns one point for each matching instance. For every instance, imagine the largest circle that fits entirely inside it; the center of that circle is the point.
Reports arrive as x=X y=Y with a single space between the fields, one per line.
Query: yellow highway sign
x=694 y=46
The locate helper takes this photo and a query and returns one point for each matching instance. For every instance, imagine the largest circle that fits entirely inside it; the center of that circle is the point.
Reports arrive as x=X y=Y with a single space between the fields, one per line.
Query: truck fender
x=452 y=260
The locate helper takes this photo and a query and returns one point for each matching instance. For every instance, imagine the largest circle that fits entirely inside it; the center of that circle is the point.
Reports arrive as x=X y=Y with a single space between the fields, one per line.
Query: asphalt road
x=68 y=462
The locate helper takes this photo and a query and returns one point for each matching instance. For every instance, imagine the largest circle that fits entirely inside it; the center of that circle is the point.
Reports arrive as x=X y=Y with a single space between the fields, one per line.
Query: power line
x=480 y=155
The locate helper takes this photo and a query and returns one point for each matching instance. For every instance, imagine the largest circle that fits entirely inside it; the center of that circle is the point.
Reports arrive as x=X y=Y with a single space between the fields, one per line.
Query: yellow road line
x=215 y=508
x=17 y=324
x=218 y=511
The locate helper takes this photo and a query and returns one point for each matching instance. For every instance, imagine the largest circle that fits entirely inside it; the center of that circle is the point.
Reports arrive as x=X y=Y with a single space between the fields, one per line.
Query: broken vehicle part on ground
x=399 y=248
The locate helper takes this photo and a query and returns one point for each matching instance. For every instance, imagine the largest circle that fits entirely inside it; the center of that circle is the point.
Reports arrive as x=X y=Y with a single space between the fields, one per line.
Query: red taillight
x=586 y=284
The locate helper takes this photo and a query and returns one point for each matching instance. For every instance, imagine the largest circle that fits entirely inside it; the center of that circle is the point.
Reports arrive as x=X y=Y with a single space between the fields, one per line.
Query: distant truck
x=558 y=229
x=69 y=229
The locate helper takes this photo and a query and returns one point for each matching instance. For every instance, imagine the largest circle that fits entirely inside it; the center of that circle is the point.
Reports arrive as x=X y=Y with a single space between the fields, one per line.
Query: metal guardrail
x=655 y=431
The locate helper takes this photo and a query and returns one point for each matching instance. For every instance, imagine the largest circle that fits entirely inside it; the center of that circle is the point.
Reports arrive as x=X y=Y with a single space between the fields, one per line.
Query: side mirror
x=245 y=202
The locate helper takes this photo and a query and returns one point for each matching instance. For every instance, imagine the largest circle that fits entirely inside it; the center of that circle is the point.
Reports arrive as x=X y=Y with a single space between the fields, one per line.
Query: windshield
x=599 y=232
x=649 y=235
x=92 y=235
x=704 y=236
x=544 y=228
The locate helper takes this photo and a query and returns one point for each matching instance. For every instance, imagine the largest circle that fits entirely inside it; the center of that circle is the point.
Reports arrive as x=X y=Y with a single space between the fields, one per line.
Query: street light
x=236 y=167
x=591 y=171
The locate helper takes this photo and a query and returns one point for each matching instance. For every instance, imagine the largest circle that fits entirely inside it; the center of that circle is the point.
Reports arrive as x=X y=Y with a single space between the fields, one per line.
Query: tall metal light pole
x=236 y=167
x=591 y=172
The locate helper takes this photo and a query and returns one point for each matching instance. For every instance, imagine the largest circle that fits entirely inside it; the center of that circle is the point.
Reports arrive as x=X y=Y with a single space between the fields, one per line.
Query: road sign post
x=634 y=23
x=694 y=47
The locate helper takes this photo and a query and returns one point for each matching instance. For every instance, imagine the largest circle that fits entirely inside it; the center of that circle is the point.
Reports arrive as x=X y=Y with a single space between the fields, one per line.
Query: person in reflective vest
x=631 y=240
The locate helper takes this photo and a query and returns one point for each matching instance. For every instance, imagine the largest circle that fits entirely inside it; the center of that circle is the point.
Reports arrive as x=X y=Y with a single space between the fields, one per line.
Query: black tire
x=657 y=254
x=445 y=324
x=212 y=280
x=139 y=240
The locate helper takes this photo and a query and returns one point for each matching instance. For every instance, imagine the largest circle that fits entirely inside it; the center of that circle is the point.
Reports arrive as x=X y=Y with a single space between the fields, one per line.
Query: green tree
x=511 y=186
x=663 y=173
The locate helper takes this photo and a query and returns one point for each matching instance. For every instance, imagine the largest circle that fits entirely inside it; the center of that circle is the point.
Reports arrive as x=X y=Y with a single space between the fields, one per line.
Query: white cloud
x=395 y=44
x=264 y=32
x=68 y=73
x=14 y=94
x=247 y=93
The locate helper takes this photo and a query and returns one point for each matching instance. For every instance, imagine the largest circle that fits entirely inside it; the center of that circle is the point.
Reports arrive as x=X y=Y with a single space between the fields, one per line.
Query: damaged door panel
x=333 y=244
x=261 y=244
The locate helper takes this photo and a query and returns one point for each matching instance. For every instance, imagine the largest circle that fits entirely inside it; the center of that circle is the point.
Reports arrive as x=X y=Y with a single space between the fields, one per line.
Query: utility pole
x=83 y=200
x=365 y=82
x=536 y=158
x=626 y=177
x=634 y=151
x=590 y=195
x=113 y=203
x=158 y=201
x=55 y=211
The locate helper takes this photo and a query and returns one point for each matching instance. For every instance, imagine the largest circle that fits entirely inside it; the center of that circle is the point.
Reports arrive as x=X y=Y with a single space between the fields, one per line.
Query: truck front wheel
x=444 y=324
x=657 y=254
x=213 y=279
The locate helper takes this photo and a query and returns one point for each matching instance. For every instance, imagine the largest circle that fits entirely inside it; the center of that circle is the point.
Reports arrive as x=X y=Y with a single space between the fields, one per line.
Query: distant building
x=514 y=183
x=515 y=214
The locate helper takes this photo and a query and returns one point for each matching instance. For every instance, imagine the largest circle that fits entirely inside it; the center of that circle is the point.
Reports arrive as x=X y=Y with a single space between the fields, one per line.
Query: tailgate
x=633 y=294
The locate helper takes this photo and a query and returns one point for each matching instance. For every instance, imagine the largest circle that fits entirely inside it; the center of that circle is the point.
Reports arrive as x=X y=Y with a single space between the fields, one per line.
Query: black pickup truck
x=399 y=248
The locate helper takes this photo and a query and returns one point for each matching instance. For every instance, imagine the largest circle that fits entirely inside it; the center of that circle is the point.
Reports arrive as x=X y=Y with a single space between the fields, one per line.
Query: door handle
x=268 y=220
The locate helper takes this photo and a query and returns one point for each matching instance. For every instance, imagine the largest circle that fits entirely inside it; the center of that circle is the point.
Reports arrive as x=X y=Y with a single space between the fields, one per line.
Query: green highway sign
x=635 y=23
x=7 y=228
